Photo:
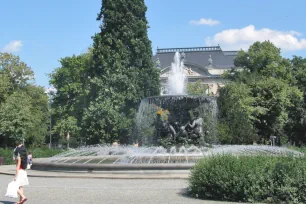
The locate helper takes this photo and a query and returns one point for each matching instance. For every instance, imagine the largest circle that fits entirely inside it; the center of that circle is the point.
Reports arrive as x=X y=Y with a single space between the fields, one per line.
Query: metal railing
x=190 y=49
x=230 y=53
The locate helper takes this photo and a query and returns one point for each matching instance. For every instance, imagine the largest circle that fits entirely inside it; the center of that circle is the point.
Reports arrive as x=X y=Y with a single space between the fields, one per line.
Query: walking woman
x=20 y=156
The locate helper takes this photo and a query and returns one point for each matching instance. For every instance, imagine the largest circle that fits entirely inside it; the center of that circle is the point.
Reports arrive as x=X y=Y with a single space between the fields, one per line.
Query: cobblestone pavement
x=106 y=191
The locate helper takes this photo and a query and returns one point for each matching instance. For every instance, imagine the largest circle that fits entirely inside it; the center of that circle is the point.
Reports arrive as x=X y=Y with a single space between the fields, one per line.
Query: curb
x=105 y=176
x=107 y=167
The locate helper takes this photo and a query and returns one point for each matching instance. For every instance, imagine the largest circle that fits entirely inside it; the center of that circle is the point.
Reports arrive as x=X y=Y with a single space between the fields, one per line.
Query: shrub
x=250 y=179
x=7 y=154
x=44 y=152
x=37 y=153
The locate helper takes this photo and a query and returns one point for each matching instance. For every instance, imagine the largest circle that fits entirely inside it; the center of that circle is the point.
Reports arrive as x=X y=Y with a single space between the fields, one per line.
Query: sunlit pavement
x=106 y=191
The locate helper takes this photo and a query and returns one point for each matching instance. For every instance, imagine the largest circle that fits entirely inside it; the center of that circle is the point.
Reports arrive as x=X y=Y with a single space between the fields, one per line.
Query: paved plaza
x=69 y=188
x=106 y=191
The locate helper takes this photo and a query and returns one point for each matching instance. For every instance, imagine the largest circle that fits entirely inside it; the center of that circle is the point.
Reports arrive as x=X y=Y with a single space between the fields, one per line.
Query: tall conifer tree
x=122 y=72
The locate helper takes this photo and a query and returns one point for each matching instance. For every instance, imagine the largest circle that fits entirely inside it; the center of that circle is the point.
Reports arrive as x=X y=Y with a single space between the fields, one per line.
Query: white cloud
x=236 y=39
x=204 y=21
x=13 y=46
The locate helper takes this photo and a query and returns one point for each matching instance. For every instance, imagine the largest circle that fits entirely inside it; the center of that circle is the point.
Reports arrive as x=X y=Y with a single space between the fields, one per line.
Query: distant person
x=115 y=143
x=30 y=157
x=21 y=177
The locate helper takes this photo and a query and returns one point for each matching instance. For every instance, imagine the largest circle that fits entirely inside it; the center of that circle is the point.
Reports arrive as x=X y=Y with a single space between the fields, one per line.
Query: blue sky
x=42 y=32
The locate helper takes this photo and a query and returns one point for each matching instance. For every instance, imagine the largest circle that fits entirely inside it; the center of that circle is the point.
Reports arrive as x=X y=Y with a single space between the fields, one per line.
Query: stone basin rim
x=181 y=95
x=37 y=165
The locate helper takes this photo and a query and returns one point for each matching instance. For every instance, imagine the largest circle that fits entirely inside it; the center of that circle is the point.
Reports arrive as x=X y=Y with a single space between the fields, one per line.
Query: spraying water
x=105 y=154
x=177 y=78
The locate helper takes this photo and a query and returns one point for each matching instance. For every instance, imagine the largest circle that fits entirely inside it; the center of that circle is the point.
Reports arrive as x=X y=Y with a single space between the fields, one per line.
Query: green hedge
x=250 y=179
x=37 y=153
x=7 y=154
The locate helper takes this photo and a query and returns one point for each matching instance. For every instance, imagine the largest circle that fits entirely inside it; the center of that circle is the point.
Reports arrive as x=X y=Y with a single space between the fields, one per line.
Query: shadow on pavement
x=6 y=202
x=185 y=193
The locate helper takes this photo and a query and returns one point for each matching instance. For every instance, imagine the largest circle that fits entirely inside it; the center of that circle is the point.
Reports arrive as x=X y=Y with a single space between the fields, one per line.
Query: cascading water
x=170 y=120
x=177 y=79
x=152 y=155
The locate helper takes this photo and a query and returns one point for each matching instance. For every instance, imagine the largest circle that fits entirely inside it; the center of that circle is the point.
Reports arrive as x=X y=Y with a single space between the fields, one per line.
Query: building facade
x=206 y=64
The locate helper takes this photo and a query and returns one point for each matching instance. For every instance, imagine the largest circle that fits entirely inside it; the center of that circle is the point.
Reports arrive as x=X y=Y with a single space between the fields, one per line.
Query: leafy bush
x=44 y=152
x=7 y=154
x=37 y=153
x=250 y=179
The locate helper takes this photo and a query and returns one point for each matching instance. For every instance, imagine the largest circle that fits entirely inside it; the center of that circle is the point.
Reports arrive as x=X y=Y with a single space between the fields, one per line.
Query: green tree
x=258 y=56
x=237 y=114
x=15 y=117
x=122 y=71
x=276 y=97
x=197 y=88
x=67 y=126
x=5 y=86
x=274 y=85
x=40 y=118
x=71 y=81
x=18 y=72
x=296 y=125
x=264 y=59
x=23 y=105
x=299 y=72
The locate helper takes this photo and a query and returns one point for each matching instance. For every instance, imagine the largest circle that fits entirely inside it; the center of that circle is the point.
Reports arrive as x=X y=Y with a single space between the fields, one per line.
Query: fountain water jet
x=177 y=79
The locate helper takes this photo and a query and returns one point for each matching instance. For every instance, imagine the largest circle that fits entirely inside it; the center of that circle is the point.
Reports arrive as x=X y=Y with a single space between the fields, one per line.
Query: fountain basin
x=130 y=158
x=46 y=166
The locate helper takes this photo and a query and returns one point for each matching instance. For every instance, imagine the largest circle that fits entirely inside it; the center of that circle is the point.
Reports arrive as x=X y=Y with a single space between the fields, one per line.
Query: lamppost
x=272 y=138
x=68 y=138
x=50 y=92
x=50 y=128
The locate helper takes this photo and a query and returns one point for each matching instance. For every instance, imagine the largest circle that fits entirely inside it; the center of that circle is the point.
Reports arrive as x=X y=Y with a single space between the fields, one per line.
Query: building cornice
x=190 y=49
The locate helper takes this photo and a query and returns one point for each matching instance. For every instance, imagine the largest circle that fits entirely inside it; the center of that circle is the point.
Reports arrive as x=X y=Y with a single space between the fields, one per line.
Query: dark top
x=22 y=153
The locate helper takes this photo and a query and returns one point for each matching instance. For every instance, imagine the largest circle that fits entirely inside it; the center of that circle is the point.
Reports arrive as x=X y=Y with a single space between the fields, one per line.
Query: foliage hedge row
x=37 y=153
x=250 y=179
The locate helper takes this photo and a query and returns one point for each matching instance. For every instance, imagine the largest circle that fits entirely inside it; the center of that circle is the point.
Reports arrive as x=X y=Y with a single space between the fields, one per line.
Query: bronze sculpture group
x=171 y=131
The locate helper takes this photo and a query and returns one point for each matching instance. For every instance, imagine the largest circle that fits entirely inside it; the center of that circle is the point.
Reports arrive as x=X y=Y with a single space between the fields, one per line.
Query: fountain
x=172 y=132
x=102 y=158
x=176 y=118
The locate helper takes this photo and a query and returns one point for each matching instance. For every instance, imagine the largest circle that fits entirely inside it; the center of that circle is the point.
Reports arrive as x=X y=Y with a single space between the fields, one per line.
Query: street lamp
x=68 y=138
x=50 y=128
x=50 y=92
x=272 y=138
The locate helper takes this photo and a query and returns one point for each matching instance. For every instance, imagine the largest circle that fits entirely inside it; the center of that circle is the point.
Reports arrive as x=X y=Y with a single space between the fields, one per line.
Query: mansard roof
x=198 y=55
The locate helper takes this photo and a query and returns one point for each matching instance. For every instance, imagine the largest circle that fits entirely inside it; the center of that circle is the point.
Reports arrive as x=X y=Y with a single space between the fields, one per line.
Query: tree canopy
x=122 y=71
x=98 y=92
x=23 y=105
x=274 y=90
x=101 y=90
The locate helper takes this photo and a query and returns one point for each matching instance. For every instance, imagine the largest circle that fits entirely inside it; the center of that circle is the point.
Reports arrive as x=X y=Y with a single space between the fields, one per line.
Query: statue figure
x=197 y=131
x=210 y=61
x=163 y=90
x=165 y=131
x=157 y=63
x=173 y=129
x=183 y=56
x=189 y=71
